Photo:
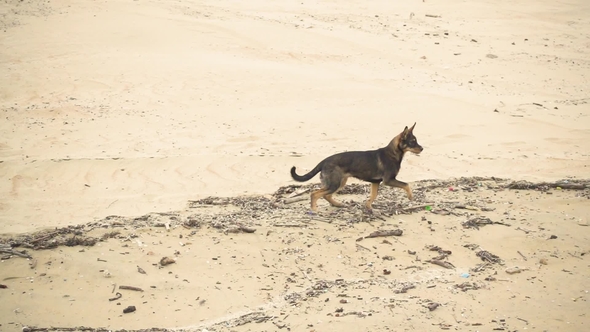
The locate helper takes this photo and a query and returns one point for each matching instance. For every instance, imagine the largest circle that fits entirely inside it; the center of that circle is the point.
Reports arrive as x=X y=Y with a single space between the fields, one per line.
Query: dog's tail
x=311 y=174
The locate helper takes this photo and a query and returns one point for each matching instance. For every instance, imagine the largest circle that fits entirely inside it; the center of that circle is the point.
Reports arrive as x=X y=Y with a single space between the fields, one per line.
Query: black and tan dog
x=374 y=166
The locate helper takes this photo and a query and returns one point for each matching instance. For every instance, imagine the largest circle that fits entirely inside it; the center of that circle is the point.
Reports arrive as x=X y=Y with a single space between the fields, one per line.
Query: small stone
x=432 y=306
x=129 y=309
x=166 y=261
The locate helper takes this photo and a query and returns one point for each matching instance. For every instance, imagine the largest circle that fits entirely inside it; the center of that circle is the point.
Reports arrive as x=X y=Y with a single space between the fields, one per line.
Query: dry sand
x=133 y=108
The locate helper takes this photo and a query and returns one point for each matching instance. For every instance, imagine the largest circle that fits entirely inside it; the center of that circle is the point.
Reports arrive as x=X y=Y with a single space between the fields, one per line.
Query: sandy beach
x=137 y=130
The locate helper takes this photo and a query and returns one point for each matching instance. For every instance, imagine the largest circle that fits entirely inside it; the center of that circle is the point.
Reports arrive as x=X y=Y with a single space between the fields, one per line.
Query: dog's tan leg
x=374 y=191
x=401 y=185
x=331 y=200
x=315 y=196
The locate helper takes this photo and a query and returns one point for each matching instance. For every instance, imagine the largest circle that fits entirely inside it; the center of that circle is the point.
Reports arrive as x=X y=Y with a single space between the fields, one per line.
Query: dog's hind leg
x=315 y=196
x=374 y=191
x=329 y=197
x=331 y=180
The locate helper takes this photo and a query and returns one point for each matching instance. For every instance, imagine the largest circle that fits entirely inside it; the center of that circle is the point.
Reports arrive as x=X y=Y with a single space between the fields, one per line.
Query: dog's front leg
x=402 y=185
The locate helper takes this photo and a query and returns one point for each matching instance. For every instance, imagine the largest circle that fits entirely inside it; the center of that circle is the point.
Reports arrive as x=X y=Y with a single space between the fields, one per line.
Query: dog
x=374 y=166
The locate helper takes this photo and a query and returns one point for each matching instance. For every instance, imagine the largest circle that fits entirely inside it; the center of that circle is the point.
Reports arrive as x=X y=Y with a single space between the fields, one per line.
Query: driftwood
x=445 y=264
x=14 y=252
x=570 y=185
x=295 y=199
x=298 y=192
x=394 y=232
x=296 y=196
x=414 y=208
x=137 y=289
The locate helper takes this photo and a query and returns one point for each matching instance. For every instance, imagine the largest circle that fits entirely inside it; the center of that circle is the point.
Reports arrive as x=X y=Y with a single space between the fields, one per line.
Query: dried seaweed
x=488 y=257
x=241 y=214
x=478 y=221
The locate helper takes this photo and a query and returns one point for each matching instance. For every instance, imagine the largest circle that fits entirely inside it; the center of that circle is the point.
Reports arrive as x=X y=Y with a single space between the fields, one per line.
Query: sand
x=134 y=108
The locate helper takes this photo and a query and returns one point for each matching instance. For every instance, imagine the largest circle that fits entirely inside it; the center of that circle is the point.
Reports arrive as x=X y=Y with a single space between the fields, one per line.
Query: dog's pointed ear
x=412 y=129
x=405 y=132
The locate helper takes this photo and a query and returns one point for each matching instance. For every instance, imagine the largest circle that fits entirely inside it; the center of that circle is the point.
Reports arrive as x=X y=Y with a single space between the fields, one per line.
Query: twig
x=362 y=247
x=117 y=296
x=433 y=16
x=466 y=207
x=414 y=208
x=413 y=267
x=298 y=193
x=521 y=255
x=289 y=225
x=524 y=320
x=241 y=228
x=137 y=289
x=481 y=267
x=524 y=230
x=304 y=274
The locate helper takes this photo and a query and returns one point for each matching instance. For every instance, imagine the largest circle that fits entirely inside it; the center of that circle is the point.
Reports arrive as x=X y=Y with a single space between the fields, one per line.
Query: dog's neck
x=393 y=147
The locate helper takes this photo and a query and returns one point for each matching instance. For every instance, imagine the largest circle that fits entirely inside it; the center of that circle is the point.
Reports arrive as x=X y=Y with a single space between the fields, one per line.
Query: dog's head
x=408 y=141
